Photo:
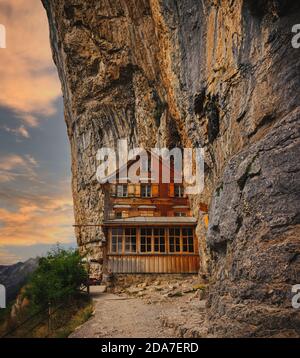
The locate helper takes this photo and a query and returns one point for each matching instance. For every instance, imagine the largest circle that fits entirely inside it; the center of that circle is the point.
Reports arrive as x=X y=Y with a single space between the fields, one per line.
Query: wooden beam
x=92 y=225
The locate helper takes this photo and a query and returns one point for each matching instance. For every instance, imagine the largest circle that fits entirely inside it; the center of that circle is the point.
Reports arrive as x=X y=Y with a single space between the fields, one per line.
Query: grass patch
x=83 y=315
x=64 y=320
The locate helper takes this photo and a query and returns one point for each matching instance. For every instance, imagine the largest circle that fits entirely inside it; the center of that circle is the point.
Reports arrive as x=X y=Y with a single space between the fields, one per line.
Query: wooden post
x=49 y=318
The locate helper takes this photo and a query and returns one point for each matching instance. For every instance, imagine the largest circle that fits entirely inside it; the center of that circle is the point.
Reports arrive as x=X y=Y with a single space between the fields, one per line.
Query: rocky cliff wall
x=218 y=74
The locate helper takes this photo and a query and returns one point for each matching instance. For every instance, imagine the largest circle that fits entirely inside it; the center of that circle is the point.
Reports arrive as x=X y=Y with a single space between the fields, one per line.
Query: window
x=130 y=240
x=146 y=190
x=116 y=240
x=122 y=190
x=159 y=240
x=118 y=215
x=179 y=213
x=178 y=191
x=146 y=238
x=174 y=239
x=152 y=240
x=187 y=240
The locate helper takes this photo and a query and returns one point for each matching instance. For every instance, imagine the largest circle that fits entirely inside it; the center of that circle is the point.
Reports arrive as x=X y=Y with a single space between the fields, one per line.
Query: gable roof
x=132 y=161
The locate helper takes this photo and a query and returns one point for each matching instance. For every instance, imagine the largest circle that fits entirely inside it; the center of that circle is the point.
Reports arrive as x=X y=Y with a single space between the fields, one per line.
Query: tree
x=57 y=278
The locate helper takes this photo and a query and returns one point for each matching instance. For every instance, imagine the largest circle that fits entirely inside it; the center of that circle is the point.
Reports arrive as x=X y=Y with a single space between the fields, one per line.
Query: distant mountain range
x=13 y=277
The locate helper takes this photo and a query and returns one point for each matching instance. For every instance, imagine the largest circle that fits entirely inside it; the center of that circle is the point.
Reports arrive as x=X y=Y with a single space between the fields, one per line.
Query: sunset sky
x=35 y=197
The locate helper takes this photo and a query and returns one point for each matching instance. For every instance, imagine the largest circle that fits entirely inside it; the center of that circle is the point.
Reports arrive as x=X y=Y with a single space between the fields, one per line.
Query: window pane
x=149 y=244
x=159 y=240
x=146 y=238
x=114 y=244
x=191 y=245
x=119 y=190
x=133 y=246
x=143 y=245
x=187 y=239
x=184 y=245
x=162 y=246
x=174 y=240
x=117 y=231
x=156 y=245
x=119 y=245
x=178 y=190
x=146 y=190
x=122 y=190
x=130 y=240
x=184 y=232
x=116 y=240
x=177 y=244
x=172 y=247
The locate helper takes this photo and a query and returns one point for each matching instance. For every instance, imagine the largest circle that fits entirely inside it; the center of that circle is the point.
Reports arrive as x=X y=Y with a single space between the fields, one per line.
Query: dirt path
x=165 y=308
x=118 y=317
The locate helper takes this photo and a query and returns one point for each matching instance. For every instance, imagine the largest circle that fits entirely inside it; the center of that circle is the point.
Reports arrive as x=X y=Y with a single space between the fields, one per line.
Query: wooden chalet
x=149 y=226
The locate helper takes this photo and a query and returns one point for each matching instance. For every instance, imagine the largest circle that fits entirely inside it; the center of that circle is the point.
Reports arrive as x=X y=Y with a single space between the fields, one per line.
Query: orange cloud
x=29 y=83
x=44 y=221
x=13 y=166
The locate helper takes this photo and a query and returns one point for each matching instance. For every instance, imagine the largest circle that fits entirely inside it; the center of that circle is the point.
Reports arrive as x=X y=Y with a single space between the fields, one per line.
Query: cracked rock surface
x=217 y=74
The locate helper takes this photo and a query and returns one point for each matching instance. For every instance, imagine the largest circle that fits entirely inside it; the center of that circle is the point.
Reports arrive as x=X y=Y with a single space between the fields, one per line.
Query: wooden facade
x=149 y=228
x=153 y=264
x=148 y=248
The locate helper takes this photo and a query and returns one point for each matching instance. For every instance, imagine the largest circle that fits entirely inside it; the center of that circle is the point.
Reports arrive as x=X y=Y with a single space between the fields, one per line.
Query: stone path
x=123 y=317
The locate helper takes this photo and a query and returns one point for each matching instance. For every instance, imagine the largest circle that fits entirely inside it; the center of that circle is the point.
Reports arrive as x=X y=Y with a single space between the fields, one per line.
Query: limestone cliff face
x=213 y=73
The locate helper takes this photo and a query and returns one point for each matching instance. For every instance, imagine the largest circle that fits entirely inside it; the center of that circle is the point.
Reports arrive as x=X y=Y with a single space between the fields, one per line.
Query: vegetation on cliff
x=57 y=278
x=51 y=304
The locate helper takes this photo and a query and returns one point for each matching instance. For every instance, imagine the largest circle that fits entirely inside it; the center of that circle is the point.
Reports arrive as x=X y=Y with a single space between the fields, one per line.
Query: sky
x=36 y=209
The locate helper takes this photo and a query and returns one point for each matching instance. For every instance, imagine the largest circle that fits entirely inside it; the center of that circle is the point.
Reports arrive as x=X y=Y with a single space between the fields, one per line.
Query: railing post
x=49 y=318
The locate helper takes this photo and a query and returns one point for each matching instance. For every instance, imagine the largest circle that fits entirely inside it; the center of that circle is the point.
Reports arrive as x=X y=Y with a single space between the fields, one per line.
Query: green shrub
x=57 y=278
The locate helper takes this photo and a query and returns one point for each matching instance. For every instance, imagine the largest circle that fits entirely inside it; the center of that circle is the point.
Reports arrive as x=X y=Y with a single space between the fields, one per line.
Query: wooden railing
x=45 y=314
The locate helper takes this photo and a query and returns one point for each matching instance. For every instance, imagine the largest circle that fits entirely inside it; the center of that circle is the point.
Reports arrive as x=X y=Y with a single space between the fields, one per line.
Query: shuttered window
x=131 y=190
x=137 y=190
x=155 y=190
